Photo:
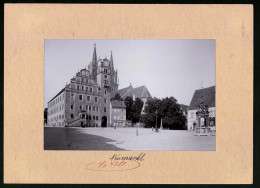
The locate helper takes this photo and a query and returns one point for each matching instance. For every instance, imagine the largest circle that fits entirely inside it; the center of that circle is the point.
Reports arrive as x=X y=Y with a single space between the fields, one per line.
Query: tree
x=168 y=110
x=133 y=109
x=117 y=97
x=129 y=103
x=149 y=116
x=136 y=110
x=171 y=113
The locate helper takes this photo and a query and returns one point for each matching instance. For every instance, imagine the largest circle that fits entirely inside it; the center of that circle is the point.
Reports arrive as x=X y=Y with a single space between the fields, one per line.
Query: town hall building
x=85 y=100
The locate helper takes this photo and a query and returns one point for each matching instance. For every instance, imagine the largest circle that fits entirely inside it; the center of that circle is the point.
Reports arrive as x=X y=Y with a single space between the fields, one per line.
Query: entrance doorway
x=104 y=121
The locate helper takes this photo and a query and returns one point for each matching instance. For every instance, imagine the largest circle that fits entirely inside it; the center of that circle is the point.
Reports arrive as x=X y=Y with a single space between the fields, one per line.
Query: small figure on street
x=152 y=128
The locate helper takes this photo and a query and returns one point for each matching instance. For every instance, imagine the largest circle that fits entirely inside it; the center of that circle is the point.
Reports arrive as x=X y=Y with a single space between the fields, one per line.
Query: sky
x=166 y=67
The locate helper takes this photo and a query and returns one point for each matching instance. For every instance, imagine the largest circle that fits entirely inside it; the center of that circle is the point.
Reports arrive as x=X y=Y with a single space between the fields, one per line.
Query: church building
x=138 y=92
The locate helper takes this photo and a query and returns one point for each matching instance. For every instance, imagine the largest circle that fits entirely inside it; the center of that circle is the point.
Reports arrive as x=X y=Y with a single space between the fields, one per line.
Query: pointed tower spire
x=94 y=58
x=111 y=61
x=94 y=64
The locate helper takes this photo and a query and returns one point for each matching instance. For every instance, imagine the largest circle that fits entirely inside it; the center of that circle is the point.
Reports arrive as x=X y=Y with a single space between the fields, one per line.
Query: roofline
x=57 y=95
x=199 y=90
x=119 y=90
x=204 y=88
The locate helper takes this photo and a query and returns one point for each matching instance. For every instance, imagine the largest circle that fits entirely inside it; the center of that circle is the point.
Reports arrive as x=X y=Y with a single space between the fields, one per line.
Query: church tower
x=113 y=77
x=107 y=81
x=93 y=68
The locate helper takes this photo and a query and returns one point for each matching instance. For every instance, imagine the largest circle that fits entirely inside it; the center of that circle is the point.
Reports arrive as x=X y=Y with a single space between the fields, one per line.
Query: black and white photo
x=150 y=95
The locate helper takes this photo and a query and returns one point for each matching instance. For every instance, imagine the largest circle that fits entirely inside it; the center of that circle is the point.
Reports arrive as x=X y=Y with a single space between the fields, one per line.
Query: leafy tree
x=136 y=109
x=129 y=103
x=117 y=97
x=149 y=116
x=133 y=109
x=168 y=110
x=172 y=114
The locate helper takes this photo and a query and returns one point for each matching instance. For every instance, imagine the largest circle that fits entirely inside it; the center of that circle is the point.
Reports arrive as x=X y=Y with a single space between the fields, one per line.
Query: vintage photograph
x=147 y=95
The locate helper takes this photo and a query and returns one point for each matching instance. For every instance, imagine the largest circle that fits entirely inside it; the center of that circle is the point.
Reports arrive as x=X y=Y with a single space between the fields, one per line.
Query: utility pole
x=156 y=120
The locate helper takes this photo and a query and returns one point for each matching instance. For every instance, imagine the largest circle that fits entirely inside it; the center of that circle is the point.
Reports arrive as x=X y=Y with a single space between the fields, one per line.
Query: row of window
x=89 y=98
x=118 y=123
x=120 y=117
x=81 y=98
x=57 y=100
x=118 y=110
x=57 y=109
x=87 y=107
x=86 y=88
x=82 y=79
x=58 y=124
x=56 y=118
x=88 y=117
x=92 y=125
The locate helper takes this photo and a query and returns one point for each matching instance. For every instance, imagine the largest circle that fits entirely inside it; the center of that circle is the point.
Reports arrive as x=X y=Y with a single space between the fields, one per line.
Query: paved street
x=125 y=139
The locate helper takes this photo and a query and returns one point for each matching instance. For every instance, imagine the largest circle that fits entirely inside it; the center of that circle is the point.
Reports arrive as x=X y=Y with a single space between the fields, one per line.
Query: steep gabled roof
x=141 y=92
x=207 y=93
x=118 y=104
x=122 y=92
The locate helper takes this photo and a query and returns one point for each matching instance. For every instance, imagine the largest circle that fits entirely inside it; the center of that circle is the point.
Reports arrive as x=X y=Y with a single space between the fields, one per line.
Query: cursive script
x=140 y=157
x=117 y=163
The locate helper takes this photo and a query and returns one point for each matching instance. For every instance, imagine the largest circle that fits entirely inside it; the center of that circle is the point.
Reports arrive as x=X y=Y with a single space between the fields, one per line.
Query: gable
x=207 y=93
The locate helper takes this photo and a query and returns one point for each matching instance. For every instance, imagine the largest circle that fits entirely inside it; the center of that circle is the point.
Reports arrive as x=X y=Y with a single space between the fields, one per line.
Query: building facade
x=56 y=110
x=208 y=94
x=118 y=113
x=85 y=101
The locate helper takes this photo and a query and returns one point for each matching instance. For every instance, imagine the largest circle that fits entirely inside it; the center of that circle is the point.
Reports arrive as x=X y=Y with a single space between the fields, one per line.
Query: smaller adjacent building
x=118 y=113
x=208 y=94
